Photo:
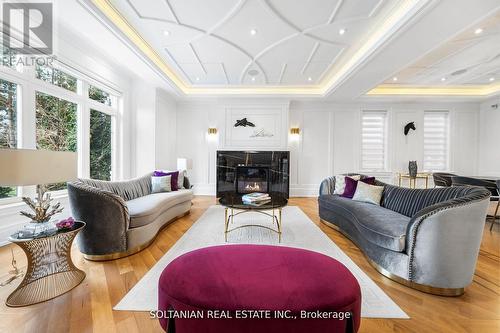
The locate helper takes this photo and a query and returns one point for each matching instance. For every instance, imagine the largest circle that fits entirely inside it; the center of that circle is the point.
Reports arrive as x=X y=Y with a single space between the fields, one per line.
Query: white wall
x=489 y=138
x=154 y=129
x=329 y=141
x=165 y=131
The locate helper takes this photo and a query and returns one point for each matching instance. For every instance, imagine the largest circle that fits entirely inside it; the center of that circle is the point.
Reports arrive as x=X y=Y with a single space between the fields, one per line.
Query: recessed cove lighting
x=253 y=32
x=492 y=79
x=309 y=78
x=394 y=78
x=166 y=32
x=443 y=79
x=342 y=31
x=478 y=31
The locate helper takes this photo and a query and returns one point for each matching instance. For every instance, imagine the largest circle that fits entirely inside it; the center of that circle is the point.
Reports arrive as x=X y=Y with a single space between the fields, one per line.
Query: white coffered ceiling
x=471 y=58
x=296 y=42
x=312 y=48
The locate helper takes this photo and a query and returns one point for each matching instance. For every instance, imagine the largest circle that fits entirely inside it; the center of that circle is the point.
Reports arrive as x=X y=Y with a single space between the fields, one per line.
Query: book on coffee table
x=255 y=197
x=257 y=203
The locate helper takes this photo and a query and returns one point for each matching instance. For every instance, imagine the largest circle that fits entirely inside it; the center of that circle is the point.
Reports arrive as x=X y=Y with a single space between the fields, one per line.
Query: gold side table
x=413 y=180
x=50 y=272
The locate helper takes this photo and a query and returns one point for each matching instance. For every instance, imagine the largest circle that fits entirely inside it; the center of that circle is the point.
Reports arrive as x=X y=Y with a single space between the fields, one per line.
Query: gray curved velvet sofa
x=123 y=217
x=427 y=239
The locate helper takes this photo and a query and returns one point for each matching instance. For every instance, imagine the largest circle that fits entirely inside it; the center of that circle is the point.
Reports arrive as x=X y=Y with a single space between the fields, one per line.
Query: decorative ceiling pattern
x=470 y=59
x=221 y=43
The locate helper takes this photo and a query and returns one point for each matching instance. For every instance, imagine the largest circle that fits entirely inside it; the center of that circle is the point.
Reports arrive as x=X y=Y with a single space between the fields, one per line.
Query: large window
x=374 y=140
x=436 y=141
x=60 y=109
x=100 y=145
x=56 y=126
x=8 y=124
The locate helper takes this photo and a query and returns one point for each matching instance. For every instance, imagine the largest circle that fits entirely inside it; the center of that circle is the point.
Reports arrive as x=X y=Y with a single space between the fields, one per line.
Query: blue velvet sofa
x=427 y=239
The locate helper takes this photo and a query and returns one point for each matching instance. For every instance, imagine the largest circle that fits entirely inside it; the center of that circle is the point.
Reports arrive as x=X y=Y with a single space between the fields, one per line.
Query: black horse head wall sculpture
x=409 y=126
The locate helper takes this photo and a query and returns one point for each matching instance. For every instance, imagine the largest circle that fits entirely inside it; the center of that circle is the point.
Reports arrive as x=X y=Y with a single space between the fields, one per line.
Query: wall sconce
x=295 y=131
x=212 y=130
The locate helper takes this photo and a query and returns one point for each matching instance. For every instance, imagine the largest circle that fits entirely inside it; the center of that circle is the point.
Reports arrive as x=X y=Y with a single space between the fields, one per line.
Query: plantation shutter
x=374 y=140
x=436 y=140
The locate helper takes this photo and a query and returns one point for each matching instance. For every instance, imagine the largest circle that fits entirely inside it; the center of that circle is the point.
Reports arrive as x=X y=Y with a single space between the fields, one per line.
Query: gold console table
x=413 y=180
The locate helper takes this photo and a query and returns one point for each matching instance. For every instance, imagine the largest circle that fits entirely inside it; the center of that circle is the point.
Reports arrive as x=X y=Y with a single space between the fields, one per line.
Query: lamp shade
x=21 y=167
x=184 y=163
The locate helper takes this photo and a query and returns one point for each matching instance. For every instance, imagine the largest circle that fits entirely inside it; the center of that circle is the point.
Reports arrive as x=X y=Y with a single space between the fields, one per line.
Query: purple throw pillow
x=173 y=180
x=351 y=185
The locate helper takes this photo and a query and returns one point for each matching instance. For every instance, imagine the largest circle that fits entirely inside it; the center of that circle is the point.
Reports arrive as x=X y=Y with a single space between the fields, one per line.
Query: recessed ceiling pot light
x=253 y=72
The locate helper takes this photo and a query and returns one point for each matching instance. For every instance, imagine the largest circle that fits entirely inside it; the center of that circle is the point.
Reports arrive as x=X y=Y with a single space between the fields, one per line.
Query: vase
x=34 y=229
x=412 y=169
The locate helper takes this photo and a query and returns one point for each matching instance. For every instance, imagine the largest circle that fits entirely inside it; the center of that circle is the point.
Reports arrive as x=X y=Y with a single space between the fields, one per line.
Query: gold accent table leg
x=226 y=222
x=272 y=222
x=279 y=225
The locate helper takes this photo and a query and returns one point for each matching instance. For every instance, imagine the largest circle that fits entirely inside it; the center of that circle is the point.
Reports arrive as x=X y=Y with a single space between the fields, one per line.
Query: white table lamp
x=184 y=163
x=22 y=167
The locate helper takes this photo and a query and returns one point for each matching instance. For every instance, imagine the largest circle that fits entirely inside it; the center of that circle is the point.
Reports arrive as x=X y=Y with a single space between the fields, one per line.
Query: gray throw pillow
x=368 y=193
x=161 y=184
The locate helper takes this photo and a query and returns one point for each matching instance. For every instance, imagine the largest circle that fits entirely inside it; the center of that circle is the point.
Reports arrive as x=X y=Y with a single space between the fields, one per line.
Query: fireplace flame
x=252 y=187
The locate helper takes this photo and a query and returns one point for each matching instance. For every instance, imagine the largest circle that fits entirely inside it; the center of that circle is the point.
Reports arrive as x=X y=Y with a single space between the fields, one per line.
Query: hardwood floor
x=88 y=308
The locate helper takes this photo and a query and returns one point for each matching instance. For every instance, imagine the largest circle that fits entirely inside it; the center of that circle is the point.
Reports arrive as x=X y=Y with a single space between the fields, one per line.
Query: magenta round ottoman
x=257 y=288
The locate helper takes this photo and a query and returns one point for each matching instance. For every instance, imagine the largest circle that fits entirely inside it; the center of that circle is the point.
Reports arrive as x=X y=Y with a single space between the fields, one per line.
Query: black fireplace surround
x=253 y=171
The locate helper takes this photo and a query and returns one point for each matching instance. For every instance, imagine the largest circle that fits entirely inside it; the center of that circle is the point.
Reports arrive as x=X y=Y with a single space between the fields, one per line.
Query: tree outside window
x=8 y=125
x=56 y=127
x=100 y=96
x=100 y=145
x=57 y=77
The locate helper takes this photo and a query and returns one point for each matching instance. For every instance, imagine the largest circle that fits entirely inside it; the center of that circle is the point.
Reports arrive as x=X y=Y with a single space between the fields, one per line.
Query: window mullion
x=84 y=134
x=27 y=125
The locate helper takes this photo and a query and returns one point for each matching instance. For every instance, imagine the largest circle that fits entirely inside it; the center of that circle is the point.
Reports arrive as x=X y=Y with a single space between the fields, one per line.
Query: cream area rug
x=297 y=231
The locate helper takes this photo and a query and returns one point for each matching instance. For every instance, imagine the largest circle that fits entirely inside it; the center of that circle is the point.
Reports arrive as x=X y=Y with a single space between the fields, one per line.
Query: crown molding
x=406 y=90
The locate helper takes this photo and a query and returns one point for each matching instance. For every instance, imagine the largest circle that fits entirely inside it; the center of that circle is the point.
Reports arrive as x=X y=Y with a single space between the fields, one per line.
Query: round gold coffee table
x=50 y=272
x=234 y=202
